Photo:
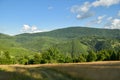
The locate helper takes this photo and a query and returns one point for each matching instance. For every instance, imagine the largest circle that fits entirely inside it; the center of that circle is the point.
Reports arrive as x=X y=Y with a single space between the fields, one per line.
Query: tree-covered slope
x=84 y=39
x=8 y=43
x=74 y=44
x=73 y=32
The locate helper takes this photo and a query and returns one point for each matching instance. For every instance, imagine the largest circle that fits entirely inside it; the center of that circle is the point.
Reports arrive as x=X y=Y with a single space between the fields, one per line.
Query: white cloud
x=85 y=7
x=85 y=15
x=82 y=11
x=99 y=19
x=75 y=9
x=36 y=31
x=30 y=29
x=80 y=8
x=96 y=21
x=33 y=28
x=26 y=27
x=106 y=3
x=114 y=24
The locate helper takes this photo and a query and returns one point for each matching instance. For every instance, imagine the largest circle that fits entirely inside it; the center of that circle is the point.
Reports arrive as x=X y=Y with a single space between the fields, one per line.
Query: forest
x=67 y=45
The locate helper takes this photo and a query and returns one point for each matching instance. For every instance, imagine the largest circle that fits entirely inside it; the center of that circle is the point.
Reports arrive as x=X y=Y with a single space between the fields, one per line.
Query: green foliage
x=77 y=48
x=73 y=32
x=101 y=56
x=100 y=45
x=91 y=56
x=106 y=53
x=82 y=58
x=37 y=58
x=5 y=58
x=68 y=59
x=114 y=55
x=22 y=60
x=61 y=37
x=52 y=55
x=74 y=44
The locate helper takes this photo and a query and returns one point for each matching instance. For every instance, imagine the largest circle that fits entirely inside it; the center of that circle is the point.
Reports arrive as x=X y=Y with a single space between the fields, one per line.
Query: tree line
x=53 y=55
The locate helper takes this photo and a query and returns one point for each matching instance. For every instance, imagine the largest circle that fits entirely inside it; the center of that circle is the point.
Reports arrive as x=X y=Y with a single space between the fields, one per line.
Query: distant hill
x=87 y=39
x=4 y=36
x=73 y=32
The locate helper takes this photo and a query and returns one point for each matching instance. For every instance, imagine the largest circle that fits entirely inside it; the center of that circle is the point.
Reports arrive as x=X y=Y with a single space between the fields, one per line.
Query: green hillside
x=73 y=32
x=85 y=39
x=73 y=44
x=8 y=43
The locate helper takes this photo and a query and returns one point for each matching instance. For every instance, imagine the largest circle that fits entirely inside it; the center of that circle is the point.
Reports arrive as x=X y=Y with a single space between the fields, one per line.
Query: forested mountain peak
x=73 y=32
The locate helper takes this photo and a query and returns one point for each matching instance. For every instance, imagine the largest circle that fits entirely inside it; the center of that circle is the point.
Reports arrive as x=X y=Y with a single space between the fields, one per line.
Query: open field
x=108 y=70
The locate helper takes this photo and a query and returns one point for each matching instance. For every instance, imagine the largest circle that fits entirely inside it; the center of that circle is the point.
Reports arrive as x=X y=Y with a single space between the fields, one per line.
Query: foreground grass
x=109 y=70
x=30 y=73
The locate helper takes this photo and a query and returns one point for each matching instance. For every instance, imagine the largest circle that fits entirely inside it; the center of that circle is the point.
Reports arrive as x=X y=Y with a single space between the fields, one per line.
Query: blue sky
x=19 y=16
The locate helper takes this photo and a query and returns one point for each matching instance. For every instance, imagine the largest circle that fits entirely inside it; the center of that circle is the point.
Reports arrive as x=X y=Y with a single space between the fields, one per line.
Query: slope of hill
x=73 y=32
x=87 y=39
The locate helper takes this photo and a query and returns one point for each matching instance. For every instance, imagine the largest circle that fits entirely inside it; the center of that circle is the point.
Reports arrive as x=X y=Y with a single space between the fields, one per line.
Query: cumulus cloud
x=26 y=27
x=82 y=11
x=106 y=3
x=99 y=19
x=33 y=28
x=85 y=7
x=96 y=21
x=83 y=16
x=80 y=8
x=113 y=24
x=30 y=29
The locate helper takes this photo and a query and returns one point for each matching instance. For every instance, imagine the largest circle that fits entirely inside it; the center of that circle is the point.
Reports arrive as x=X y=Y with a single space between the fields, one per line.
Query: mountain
x=4 y=36
x=73 y=32
x=82 y=38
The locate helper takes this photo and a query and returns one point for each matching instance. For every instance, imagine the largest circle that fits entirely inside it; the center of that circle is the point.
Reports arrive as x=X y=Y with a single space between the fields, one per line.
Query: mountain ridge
x=71 y=32
x=84 y=39
x=91 y=29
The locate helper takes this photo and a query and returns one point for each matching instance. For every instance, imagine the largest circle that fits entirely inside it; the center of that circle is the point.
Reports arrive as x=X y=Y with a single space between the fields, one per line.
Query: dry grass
x=9 y=72
x=108 y=70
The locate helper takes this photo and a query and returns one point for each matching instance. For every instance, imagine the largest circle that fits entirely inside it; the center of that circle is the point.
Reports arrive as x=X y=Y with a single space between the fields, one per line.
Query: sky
x=31 y=16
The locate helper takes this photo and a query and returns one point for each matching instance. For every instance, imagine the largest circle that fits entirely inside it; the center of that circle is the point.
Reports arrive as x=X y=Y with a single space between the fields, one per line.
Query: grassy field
x=108 y=70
